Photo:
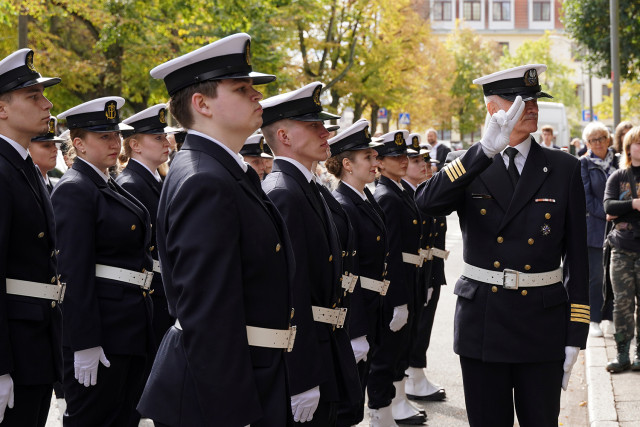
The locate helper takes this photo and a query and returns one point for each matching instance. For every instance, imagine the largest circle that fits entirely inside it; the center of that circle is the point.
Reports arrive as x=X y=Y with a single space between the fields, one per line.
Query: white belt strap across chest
x=332 y=316
x=349 y=282
x=26 y=288
x=380 y=286
x=156 y=267
x=512 y=279
x=127 y=276
x=269 y=338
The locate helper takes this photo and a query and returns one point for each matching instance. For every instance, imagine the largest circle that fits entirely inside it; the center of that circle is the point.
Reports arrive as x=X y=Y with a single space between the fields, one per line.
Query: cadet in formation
x=44 y=152
x=253 y=153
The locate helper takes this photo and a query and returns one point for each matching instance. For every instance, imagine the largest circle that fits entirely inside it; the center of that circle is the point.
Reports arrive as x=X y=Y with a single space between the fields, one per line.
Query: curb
x=602 y=405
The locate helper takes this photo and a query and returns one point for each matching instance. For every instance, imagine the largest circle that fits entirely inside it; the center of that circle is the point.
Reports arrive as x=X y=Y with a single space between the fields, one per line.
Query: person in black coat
x=44 y=152
x=522 y=211
x=225 y=256
x=146 y=147
x=404 y=230
x=439 y=150
x=322 y=369
x=104 y=236
x=30 y=318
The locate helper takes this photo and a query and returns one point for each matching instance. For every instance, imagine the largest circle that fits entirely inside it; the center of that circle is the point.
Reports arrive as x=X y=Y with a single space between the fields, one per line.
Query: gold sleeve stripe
x=579 y=311
x=454 y=165
x=453 y=171
x=446 y=169
x=580 y=306
x=586 y=316
x=460 y=166
x=575 y=319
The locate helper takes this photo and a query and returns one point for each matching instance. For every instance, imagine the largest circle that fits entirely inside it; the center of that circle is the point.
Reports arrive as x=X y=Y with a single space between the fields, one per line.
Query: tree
x=630 y=91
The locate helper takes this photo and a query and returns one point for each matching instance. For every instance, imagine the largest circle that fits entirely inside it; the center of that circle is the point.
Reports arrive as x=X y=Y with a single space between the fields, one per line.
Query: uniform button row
x=494 y=289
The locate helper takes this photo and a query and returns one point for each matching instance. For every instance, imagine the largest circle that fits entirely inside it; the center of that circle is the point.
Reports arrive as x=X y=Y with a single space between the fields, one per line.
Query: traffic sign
x=383 y=115
x=404 y=119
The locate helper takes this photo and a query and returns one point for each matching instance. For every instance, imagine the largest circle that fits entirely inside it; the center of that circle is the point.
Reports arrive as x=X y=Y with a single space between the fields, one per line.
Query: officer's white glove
x=304 y=405
x=85 y=363
x=360 y=348
x=429 y=295
x=6 y=394
x=496 y=135
x=571 y=355
x=400 y=316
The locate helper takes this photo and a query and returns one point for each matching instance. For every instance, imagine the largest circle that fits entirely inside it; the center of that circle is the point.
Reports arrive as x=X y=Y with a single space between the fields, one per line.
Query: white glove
x=429 y=295
x=360 y=348
x=400 y=316
x=571 y=355
x=496 y=135
x=304 y=405
x=6 y=394
x=86 y=362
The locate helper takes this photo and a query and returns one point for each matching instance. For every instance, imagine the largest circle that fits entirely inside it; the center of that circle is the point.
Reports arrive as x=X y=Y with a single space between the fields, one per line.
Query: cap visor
x=266 y=156
x=118 y=127
x=526 y=96
x=45 y=81
x=55 y=139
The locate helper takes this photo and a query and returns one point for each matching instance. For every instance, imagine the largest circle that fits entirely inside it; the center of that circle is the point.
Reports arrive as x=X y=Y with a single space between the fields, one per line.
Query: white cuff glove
x=400 y=316
x=496 y=135
x=304 y=405
x=429 y=295
x=360 y=348
x=86 y=362
x=571 y=355
x=6 y=394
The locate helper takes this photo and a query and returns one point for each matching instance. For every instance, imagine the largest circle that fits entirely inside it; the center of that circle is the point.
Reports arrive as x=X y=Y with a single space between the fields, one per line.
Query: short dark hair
x=180 y=105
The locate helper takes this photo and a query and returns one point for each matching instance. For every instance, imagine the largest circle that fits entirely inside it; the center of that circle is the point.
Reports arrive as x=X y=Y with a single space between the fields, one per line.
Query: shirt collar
x=101 y=173
x=359 y=193
x=523 y=148
x=413 y=187
x=237 y=157
x=19 y=148
x=155 y=174
x=306 y=172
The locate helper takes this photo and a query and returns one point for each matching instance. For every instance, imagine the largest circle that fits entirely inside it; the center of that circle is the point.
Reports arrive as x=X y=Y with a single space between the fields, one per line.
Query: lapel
x=137 y=168
x=374 y=204
x=498 y=183
x=8 y=152
x=405 y=197
x=363 y=206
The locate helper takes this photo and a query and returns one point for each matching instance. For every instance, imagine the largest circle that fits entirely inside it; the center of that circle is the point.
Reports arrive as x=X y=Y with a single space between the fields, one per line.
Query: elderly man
x=521 y=317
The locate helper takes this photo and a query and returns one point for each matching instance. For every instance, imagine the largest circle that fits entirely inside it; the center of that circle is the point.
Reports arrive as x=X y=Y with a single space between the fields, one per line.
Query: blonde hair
x=617 y=138
x=632 y=137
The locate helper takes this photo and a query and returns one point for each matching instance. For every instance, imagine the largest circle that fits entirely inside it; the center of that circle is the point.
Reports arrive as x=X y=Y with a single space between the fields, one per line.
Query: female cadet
x=104 y=237
x=403 y=224
x=147 y=147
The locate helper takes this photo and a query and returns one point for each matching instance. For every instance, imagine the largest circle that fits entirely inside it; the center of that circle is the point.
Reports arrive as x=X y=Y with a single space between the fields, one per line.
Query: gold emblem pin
x=416 y=144
x=29 y=61
x=261 y=145
x=247 y=52
x=398 y=139
x=162 y=116
x=111 y=110
x=366 y=132
x=52 y=125
x=531 y=77
x=316 y=96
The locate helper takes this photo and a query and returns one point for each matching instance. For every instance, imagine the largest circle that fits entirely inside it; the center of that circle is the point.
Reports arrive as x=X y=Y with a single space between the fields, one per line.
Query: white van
x=555 y=115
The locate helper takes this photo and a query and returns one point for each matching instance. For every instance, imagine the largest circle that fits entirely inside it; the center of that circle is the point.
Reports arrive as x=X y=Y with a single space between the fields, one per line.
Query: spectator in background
x=596 y=165
x=618 y=136
x=547 y=137
x=439 y=151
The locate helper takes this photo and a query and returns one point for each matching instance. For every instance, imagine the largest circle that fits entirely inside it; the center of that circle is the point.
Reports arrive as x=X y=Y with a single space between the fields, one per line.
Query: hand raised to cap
x=496 y=136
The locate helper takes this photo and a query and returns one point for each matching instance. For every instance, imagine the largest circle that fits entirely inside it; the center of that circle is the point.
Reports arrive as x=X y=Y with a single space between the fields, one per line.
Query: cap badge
x=366 y=132
x=415 y=142
x=162 y=116
x=316 y=96
x=29 y=61
x=531 y=77
x=111 y=110
x=247 y=52
x=398 y=139
x=52 y=125
x=261 y=144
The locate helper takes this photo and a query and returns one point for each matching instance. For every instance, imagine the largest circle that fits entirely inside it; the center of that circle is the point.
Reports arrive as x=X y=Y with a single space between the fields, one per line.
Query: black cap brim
x=315 y=117
x=117 y=127
x=257 y=78
x=526 y=96
x=45 y=81
x=55 y=139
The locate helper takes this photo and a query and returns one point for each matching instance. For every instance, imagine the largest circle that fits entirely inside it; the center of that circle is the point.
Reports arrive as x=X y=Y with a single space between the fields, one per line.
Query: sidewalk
x=613 y=399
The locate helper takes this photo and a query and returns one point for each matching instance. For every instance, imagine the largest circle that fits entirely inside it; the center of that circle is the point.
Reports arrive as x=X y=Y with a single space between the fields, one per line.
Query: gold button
x=41 y=235
x=144 y=294
x=334 y=305
x=354 y=253
x=53 y=279
x=427 y=247
x=133 y=227
x=530 y=241
x=384 y=273
x=527 y=267
x=57 y=251
x=524 y=292
x=415 y=221
x=442 y=224
x=547 y=215
x=430 y=234
x=53 y=304
x=293 y=310
x=424 y=222
x=378 y=238
x=435 y=234
x=496 y=264
x=151 y=291
x=340 y=299
x=278 y=247
x=343 y=254
x=53 y=253
x=500 y=239
x=151 y=248
x=494 y=289
x=435 y=220
x=330 y=258
x=483 y=211
x=144 y=270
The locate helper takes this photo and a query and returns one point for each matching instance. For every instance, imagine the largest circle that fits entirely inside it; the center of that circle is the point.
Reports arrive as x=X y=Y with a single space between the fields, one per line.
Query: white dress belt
x=332 y=316
x=380 y=286
x=349 y=282
x=512 y=279
x=413 y=259
x=156 y=267
x=265 y=337
x=428 y=254
x=127 y=276
x=26 y=288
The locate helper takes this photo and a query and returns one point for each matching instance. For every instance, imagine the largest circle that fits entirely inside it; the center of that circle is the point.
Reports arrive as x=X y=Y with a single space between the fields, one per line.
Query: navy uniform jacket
x=441 y=155
x=530 y=230
x=96 y=225
x=326 y=358
x=226 y=263
x=30 y=328
x=371 y=243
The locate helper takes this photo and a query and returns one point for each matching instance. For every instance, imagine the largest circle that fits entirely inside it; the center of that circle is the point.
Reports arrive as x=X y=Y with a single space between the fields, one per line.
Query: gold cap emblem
x=52 y=126
x=531 y=77
x=261 y=144
x=111 y=110
x=398 y=139
x=415 y=142
x=316 y=95
x=366 y=132
x=29 y=61
x=247 y=52
x=162 y=116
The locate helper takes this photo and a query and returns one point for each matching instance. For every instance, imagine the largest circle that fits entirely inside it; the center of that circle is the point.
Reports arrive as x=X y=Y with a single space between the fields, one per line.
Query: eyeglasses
x=598 y=140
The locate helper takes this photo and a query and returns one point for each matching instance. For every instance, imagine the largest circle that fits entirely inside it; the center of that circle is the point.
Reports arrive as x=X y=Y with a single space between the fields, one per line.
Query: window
x=471 y=10
x=501 y=10
x=541 y=10
x=442 y=10
x=606 y=91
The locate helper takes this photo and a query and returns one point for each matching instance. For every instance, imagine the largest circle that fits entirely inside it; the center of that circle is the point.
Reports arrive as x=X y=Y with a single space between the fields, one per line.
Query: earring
x=84 y=151
x=351 y=172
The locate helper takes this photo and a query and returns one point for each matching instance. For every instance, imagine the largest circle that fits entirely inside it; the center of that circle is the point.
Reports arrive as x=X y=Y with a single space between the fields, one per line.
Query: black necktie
x=32 y=175
x=513 y=170
x=112 y=185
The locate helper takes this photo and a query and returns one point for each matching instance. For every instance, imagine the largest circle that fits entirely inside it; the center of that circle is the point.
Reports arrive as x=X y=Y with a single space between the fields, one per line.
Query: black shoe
x=433 y=397
x=415 y=420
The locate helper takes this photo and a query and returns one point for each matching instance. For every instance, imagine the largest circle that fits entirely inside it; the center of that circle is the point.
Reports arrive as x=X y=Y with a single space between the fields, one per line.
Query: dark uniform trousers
x=511 y=341
x=30 y=328
x=98 y=222
x=227 y=264
x=324 y=356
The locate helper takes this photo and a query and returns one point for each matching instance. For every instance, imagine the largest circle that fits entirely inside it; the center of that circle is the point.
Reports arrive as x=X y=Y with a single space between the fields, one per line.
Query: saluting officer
x=404 y=228
x=30 y=319
x=224 y=253
x=521 y=318
x=44 y=152
x=322 y=369
x=254 y=154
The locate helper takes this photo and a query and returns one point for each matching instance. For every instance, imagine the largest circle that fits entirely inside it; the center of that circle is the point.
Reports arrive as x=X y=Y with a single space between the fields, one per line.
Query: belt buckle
x=342 y=315
x=147 y=280
x=292 y=339
x=349 y=282
x=62 y=288
x=385 y=287
x=426 y=254
x=506 y=282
